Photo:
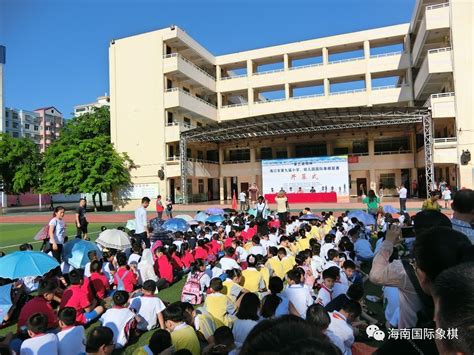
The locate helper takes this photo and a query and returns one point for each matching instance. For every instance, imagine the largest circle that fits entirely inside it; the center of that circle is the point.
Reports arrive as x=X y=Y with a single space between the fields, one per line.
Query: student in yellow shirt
x=219 y=305
x=204 y=324
x=232 y=288
x=264 y=271
x=182 y=335
x=287 y=261
x=252 y=278
x=274 y=264
x=302 y=242
x=432 y=202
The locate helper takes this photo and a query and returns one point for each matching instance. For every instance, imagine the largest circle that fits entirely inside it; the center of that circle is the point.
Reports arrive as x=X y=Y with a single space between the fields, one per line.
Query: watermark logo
x=373 y=331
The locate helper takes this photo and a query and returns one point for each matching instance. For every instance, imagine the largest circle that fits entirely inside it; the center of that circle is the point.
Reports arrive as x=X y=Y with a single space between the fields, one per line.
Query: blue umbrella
x=26 y=263
x=214 y=219
x=5 y=300
x=201 y=217
x=310 y=217
x=214 y=211
x=75 y=252
x=176 y=225
x=252 y=212
x=390 y=209
x=362 y=216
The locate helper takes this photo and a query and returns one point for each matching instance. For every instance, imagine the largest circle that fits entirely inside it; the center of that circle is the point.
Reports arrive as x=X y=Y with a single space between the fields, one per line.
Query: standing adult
x=414 y=188
x=372 y=202
x=159 y=207
x=141 y=223
x=402 y=195
x=261 y=206
x=253 y=193
x=81 y=220
x=446 y=196
x=282 y=207
x=243 y=201
x=169 y=208
x=57 y=232
x=463 y=216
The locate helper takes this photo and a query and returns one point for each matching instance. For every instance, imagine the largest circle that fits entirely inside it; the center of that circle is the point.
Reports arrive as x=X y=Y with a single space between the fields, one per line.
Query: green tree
x=83 y=160
x=20 y=164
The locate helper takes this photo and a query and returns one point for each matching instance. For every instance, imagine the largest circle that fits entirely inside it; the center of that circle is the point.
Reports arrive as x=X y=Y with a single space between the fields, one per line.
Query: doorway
x=361 y=186
x=172 y=190
x=244 y=186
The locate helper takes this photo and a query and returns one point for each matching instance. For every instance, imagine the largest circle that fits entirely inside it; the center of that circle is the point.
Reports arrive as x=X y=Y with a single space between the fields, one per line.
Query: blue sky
x=57 y=50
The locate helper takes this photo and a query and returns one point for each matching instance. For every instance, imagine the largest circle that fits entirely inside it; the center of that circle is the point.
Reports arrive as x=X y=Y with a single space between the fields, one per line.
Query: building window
x=187 y=121
x=189 y=153
x=15 y=115
x=315 y=150
x=168 y=50
x=170 y=151
x=341 y=151
x=27 y=126
x=48 y=128
x=392 y=145
x=169 y=84
x=360 y=147
x=35 y=128
x=212 y=155
x=281 y=154
x=200 y=155
x=201 y=186
x=266 y=153
x=15 y=134
x=185 y=89
x=6 y=113
x=15 y=124
x=388 y=180
x=239 y=155
x=198 y=124
x=7 y=123
x=170 y=118
x=189 y=184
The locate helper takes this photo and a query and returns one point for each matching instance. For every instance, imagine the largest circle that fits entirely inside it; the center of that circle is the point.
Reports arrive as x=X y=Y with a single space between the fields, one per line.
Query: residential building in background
x=88 y=108
x=52 y=122
x=164 y=82
x=2 y=104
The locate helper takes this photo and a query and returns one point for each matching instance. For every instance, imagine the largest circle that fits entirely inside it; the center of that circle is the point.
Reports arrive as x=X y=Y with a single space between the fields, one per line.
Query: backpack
x=192 y=289
x=120 y=284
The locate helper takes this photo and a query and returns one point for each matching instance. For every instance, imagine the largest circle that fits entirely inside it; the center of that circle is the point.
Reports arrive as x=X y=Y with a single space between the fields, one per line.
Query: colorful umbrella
x=114 y=239
x=5 y=300
x=201 y=217
x=214 y=211
x=75 y=252
x=363 y=217
x=176 y=225
x=26 y=263
x=214 y=219
x=310 y=217
x=390 y=209
x=186 y=217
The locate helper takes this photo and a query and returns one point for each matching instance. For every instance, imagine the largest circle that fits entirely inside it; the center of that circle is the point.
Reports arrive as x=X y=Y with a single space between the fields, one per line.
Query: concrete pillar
x=229 y=187
x=250 y=94
x=218 y=72
x=327 y=88
x=288 y=91
x=330 y=148
x=221 y=188
x=372 y=180
x=325 y=56
x=286 y=61
x=290 y=151
x=371 y=147
x=253 y=154
x=368 y=76
x=250 y=67
x=219 y=100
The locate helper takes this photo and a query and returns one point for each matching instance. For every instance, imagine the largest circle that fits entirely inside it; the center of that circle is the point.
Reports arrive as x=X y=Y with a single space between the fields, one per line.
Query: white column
x=288 y=93
x=325 y=56
x=327 y=88
x=368 y=76
x=218 y=72
x=286 y=61
x=221 y=188
x=252 y=155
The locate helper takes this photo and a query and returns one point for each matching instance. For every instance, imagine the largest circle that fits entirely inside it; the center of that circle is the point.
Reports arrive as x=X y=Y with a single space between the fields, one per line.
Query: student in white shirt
x=247 y=317
x=256 y=248
x=402 y=195
x=141 y=223
x=328 y=245
x=228 y=262
x=118 y=317
x=297 y=293
x=148 y=307
x=340 y=324
x=92 y=255
x=317 y=316
x=273 y=236
x=71 y=338
x=317 y=262
x=325 y=293
x=332 y=259
x=39 y=342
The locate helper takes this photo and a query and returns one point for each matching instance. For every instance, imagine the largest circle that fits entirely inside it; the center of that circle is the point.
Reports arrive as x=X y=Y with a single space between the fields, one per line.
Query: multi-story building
x=51 y=123
x=88 y=108
x=2 y=104
x=164 y=83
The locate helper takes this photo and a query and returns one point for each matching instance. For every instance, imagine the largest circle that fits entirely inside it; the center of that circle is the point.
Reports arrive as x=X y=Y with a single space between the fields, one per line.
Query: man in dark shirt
x=81 y=220
x=354 y=292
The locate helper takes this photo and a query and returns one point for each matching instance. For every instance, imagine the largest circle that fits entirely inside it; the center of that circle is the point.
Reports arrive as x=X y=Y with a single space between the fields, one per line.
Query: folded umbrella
x=114 y=239
x=75 y=252
x=176 y=225
x=363 y=217
x=26 y=263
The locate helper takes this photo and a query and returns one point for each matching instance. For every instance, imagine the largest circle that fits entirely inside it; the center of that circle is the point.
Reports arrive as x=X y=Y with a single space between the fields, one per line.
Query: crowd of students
x=254 y=285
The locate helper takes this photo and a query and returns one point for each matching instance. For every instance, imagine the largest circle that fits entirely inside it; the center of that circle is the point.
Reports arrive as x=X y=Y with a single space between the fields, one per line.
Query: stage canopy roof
x=295 y=122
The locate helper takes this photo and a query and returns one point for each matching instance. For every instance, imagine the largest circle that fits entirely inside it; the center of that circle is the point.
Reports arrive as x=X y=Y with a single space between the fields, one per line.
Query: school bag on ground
x=192 y=289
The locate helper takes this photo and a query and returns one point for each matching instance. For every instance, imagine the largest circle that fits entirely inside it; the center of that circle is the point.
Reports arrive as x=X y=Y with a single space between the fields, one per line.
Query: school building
x=319 y=97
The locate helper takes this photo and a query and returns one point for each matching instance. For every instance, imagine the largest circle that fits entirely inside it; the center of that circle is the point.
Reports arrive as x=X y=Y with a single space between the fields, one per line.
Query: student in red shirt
x=228 y=241
x=77 y=298
x=40 y=304
x=200 y=252
x=126 y=276
x=99 y=284
x=187 y=257
x=163 y=266
x=215 y=246
x=175 y=259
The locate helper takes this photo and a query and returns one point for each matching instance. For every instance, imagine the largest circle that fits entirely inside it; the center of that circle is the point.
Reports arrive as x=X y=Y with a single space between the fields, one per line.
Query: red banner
x=306 y=197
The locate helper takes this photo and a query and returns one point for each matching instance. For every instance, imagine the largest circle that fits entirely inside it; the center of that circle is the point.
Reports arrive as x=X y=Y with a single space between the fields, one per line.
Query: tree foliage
x=83 y=160
x=20 y=164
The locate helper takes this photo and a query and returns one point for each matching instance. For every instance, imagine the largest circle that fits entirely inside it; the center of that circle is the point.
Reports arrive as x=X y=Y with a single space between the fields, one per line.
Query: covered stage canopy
x=311 y=121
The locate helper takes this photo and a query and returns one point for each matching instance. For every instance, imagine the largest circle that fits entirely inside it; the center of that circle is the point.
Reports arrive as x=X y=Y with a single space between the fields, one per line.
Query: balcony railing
x=437 y=6
x=172 y=55
x=347 y=92
x=443 y=94
x=189 y=94
x=236 y=161
x=233 y=76
x=181 y=124
x=386 y=54
x=392 y=152
x=235 y=105
x=176 y=158
x=306 y=96
x=268 y=72
x=268 y=101
x=440 y=50
x=346 y=60
x=445 y=140
x=393 y=86
x=306 y=66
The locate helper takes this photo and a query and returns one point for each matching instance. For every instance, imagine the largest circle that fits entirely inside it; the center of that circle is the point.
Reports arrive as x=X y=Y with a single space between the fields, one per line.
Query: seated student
x=76 y=297
x=40 y=304
x=148 y=307
x=327 y=245
x=228 y=261
x=219 y=305
x=163 y=268
x=204 y=323
x=256 y=247
x=340 y=324
x=183 y=336
x=223 y=342
x=108 y=265
x=348 y=268
x=175 y=260
x=332 y=259
x=317 y=262
x=187 y=257
x=98 y=281
x=197 y=276
x=318 y=317
x=362 y=247
x=274 y=264
x=125 y=278
x=120 y=319
x=303 y=260
x=339 y=288
x=92 y=255
x=247 y=317
x=200 y=252
x=232 y=288
x=297 y=293
x=241 y=253
x=71 y=337
x=160 y=343
x=276 y=304
x=135 y=257
x=262 y=269
x=252 y=278
x=39 y=342
x=287 y=260
x=100 y=341
x=325 y=293
x=354 y=292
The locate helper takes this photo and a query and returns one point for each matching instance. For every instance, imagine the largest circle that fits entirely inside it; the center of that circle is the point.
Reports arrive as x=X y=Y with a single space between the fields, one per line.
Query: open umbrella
x=176 y=225
x=26 y=263
x=214 y=219
x=201 y=217
x=131 y=224
x=363 y=217
x=390 y=209
x=230 y=210
x=252 y=212
x=186 y=217
x=193 y=222
x=5 y=300
x=114 y=239
x=310 y=217
x=75 y=252
x=214 y=211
